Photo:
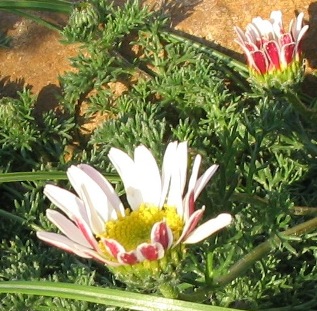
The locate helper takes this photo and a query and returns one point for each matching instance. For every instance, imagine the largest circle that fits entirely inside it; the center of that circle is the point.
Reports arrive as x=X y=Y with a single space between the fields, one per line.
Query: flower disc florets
x=273 y=55
x=135 y=227
x=144 y=240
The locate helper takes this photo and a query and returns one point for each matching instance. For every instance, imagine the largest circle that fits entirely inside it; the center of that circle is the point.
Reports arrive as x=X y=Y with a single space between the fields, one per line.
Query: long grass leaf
x=105 y=296
x=42 y=175
x=53 y=6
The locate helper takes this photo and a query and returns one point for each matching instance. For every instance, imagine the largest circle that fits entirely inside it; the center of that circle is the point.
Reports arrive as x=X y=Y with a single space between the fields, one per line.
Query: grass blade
x=105 y=296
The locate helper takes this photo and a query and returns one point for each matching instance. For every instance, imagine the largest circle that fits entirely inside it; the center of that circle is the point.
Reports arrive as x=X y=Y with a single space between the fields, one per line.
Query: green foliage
x=147 y=86
x=27 y=139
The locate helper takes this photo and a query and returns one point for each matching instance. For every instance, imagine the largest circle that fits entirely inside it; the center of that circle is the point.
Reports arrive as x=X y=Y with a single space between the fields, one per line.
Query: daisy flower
x=151 y=228
x=271 y=51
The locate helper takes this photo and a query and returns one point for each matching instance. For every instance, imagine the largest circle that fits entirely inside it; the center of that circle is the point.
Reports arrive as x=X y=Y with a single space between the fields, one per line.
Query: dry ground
x=37 y=57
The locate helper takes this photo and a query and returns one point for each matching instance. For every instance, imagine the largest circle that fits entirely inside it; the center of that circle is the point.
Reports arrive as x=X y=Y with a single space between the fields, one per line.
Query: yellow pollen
x=135 y=227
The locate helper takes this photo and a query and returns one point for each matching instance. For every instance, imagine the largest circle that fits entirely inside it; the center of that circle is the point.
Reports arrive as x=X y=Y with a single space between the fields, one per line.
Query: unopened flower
x=145 y=239
x=273 y=54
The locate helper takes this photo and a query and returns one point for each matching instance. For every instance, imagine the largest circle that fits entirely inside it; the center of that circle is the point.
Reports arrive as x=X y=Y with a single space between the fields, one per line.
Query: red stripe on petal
x=85 y=229
x=190 y=225
x=194 y=220
x=129 y=258
x=151 y=251
x=251 y=46
x=162 y=234
x=273 y=54
x=286 y=39
x=191 y=203
x=260 y=62
x=113 y=247
x=287 y=53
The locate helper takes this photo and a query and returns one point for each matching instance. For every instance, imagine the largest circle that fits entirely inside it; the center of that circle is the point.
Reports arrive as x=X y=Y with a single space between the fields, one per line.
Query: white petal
x=203 y=180
x=149 y=176
x=190 y=224
x=97 y=197
x=67 y=227
x=62 y=242
x=105 y=185
x=191 y=187
x=248 y=54
x=182 y=155
x=178 y=179
x=300 y=36
x=208 y=228
x=66 y=201
x=125 y=166
x=263 y=27
x=66 y=244
x=96 y=222
x=74 y=208
x=298 y=25
x=253 y=33
x=277 y=22
x=175 y=192
x=241 y=36
x=167 y=168
x=194 y=174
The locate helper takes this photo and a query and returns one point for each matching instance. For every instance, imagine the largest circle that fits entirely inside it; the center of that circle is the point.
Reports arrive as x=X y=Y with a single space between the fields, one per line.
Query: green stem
x=310 y=115
x=263 y=203
x=304 y=210
x=262 y=250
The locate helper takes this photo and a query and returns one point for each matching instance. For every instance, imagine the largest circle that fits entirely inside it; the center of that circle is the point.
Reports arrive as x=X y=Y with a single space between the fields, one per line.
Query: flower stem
x=262 y=250
x=310 y=115
x=263 y=203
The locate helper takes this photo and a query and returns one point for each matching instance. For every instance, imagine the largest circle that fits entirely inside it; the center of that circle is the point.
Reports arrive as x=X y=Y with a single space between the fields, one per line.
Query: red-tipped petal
x=162 y=234
x=286 y=39
x=250 y=46
x=153 y=251
x=113 y=247
x=128 y=258
x=191 y=224
x=298 y=48
x=63 y=243
x=209 y=228
x=67 y=227
x=287 y=53
x=67 y=245
x=260 y=62
x=101 y=259
x=189 y=197
x=273 y=54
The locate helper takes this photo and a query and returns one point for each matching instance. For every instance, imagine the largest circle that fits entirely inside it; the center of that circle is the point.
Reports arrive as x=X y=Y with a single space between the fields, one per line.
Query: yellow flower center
x=135 y=227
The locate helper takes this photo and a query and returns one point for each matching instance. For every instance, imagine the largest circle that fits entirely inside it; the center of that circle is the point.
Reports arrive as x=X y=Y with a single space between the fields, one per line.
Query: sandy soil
x=37 y=56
